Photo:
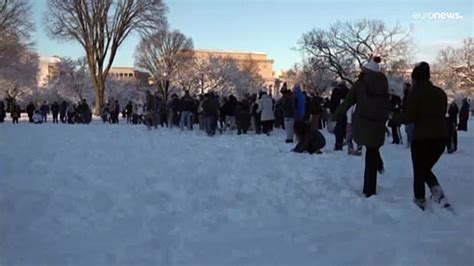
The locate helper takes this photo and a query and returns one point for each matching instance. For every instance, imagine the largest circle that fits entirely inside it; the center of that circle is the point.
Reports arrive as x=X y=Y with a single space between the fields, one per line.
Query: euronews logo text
x=437 y=15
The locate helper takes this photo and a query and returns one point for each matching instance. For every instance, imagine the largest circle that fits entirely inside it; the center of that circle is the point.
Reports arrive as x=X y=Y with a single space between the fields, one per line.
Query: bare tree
x=15 y=29
x=164 y=55
x=454 y=69
x=346 y=46
x=315 y=76
x=101 y=26
x=15 y=17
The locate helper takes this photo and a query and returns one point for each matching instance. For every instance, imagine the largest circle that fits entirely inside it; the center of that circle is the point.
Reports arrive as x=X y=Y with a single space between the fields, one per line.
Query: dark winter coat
x=316 y=107
x=16 y=112
x=151 y=104
x=311 y=142
x=2 y=111
x=365 y=131
x=55 y=108
x=44 y=109
x=30 y=109
x=129 y=110
x=396 y=110
x=64 y=106
x=210 y=106
x=187 y=104
x=453 y=112
x=288 y=105
x=464 y=112
x=426 y=109
x=338 y=94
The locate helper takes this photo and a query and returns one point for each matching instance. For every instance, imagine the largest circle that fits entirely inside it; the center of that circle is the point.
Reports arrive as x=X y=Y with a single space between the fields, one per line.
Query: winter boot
x=437 y=195
x=421 y=203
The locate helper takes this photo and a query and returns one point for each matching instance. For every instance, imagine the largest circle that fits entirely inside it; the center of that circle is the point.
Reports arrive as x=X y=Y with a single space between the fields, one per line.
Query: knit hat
x=373 y=64
x=421 y=71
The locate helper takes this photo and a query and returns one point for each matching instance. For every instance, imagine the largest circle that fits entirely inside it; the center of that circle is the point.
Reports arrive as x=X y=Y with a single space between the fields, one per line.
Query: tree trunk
x=99 y=96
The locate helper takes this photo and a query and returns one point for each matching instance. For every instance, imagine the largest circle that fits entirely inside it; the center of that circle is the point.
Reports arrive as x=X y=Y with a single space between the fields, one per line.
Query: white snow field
x=122 y=195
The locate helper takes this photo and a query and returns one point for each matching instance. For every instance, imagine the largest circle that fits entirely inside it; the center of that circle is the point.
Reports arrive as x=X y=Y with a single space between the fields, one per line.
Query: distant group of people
x=65 y=112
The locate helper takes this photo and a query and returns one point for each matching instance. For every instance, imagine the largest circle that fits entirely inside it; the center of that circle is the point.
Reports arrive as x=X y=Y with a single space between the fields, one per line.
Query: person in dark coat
x=316 y=111
x=15 y=113
x=210 y=108
x=395 y=118
x=62 y=111
x=30 y=110
x=86 y=112
x=242 y=114
x=44 y=110
x=129 y=112
x=408 y=127
x=187 y=109
x=452 y=121
x=310 y=140
x=370 y=93
x=288 y=108
x=464 y=115
x=55 y=110
x=426 y=109
x=337 y=96
x=3 y=113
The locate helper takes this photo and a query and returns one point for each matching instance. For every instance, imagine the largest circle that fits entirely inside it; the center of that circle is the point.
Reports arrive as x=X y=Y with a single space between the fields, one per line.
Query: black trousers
x=340 y=133
x=267 y=126
x=424 y=155
x=373 y=163
x=453 y=137
x=396 y=138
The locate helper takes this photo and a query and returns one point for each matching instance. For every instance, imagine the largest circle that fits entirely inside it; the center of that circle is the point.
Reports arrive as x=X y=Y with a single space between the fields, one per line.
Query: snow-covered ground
x=121 y=195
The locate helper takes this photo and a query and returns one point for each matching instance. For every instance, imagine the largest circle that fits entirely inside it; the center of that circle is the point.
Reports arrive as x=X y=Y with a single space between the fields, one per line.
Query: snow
x=122 y=195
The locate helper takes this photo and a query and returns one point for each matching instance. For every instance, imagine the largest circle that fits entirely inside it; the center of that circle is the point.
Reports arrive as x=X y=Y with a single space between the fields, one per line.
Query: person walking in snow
x=426 y=109
x=187 y=108
x=370 y=93
x=408 y=127
x=44 y=109
x=337 y=96
x=15 y=113
x=71 y=113
x=129 y=112
x=452 y=121
x=3 y=113
x=242 y=114
x=395 y=117
x=62 y=111
x=55 y=111
x=265 y=108
x=464 y=115
x=310 y=140
x=288 y=108
x=151 y=111
x=30 y=110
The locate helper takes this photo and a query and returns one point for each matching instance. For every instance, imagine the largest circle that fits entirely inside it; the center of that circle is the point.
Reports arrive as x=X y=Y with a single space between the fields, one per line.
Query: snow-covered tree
x=345 y=46
x=454 y=70
x=101 y=27
x=123 y=91
x=73 y=83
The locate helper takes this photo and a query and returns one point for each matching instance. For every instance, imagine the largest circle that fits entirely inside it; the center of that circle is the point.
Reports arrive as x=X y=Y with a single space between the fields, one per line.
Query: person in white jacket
x=265 y=108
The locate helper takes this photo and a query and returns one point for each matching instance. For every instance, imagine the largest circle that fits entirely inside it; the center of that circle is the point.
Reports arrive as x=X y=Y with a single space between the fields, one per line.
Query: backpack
x=373 y=99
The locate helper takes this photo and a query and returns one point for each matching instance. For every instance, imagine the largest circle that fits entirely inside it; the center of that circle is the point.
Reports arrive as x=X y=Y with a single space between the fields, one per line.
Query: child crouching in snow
x=309 y=140
x=37 y=118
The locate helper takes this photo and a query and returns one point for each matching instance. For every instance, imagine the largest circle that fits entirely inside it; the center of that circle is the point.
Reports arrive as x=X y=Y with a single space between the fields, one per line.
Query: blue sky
x=275 y=26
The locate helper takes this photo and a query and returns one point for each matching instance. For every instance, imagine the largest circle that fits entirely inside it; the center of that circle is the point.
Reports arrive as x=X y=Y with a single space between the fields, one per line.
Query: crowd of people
x=360 y=116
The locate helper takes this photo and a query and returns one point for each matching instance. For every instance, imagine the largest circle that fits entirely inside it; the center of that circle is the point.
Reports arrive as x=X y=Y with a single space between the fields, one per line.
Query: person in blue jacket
x=300 y=99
